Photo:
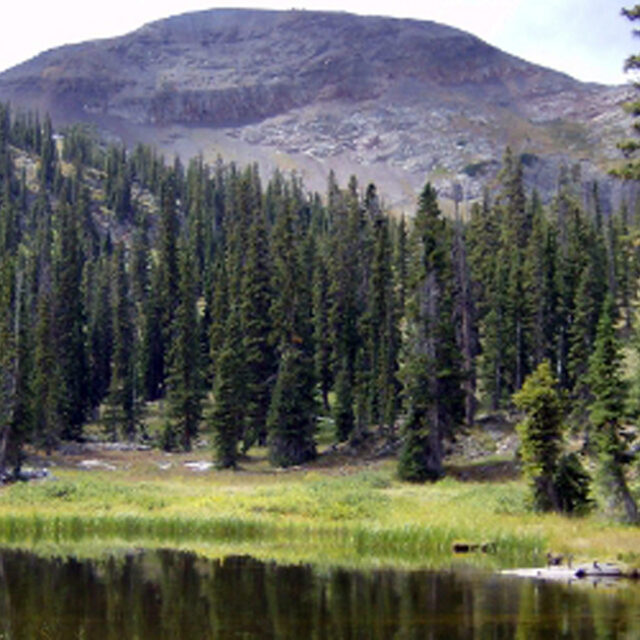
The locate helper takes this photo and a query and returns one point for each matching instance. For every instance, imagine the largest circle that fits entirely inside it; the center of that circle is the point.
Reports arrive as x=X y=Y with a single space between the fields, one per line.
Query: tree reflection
x=165 y=594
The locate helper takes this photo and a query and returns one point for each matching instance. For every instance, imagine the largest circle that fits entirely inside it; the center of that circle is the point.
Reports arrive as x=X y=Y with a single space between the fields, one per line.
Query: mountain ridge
x=319 y=90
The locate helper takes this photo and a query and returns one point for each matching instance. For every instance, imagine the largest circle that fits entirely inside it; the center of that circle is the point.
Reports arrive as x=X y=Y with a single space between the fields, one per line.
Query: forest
x=251 y=309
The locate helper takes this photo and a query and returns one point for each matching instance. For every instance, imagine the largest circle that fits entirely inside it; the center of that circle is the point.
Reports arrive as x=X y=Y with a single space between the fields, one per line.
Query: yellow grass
x=350 y=515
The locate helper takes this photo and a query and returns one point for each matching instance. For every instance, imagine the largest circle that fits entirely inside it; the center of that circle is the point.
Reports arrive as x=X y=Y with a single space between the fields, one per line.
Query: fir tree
x=256 y=324
x=343 y=415
x=226 y=420
x=184 y=393
x=291 y=417
x=606 y=411
x=432 y=370
x=291 y=420
x=321 y=339
x=541 y=435
x=8 y=358
x=69 y=326
x=122 y=410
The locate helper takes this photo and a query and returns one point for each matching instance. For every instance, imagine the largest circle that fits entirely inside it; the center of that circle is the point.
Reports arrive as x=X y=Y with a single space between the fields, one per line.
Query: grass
x=342 y=514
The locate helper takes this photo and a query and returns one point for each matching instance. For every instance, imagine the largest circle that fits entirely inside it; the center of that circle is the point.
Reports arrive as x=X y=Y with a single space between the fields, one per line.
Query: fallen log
x=591 y=571
x=470 y=547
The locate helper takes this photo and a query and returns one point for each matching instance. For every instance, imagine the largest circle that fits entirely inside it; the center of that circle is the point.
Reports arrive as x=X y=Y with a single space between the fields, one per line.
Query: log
x=470 y=547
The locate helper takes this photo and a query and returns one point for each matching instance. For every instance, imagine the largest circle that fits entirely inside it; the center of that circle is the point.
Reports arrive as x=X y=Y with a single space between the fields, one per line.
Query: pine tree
x=69 y=326
x=227 y=419
x=321 y=338
x=343 y=414
x=220 y=312
x=122 y=407
x=47 y=153
x=629 y=147
x=47 y=376
x=432 y=370
x=167 y=270
x=291 y=417
x=184 y=386
x=606 y=411
x=99 y=327
x=8 y=358
x=291 y=420
x=541 y=435
x=256 y=328
x=381 y=341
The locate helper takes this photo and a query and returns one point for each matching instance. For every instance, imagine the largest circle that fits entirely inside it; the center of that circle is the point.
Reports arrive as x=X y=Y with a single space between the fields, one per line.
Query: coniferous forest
x=251 y=307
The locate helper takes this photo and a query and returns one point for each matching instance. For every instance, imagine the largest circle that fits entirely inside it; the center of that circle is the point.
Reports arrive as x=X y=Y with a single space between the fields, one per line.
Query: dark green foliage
x=227 y=417
x=343 y=409
x=573 y=485
x=184 y=384
x=69 y=326
x=322 y=344
x=258 y=351
x=122 y=404
x=420 y=456
x=291 y=422
x=432 y=369
x=606 y=412
x=7 y=361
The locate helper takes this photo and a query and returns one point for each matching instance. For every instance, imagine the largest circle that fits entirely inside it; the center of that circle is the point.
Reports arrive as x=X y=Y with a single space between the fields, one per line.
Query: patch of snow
x=96 y=464
x=200 y=465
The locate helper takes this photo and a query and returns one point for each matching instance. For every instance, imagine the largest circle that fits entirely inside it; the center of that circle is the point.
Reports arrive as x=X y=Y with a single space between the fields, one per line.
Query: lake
x=169 y=594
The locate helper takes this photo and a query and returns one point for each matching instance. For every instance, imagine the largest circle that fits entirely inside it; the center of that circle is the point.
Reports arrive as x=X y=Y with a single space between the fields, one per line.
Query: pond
x=168 y=594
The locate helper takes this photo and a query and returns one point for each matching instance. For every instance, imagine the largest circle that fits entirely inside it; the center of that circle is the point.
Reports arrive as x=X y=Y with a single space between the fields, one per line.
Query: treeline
x=125 y=280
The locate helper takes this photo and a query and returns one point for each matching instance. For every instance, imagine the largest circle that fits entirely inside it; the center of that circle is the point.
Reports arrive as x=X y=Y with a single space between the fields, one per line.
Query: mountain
x=393 y=101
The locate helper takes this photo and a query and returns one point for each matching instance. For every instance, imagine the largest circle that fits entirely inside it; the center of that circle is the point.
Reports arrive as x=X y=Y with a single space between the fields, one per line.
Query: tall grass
x=365 y=518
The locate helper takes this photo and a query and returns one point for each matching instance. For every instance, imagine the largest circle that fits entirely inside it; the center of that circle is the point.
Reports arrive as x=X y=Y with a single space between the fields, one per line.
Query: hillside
x=393 y=101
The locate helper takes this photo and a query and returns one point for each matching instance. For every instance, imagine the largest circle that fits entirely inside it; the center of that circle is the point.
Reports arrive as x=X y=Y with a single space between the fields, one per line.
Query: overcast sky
x=585 y=38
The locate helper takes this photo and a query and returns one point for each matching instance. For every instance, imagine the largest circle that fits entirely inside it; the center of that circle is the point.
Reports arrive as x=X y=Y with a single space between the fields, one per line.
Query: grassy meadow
x=335 y=511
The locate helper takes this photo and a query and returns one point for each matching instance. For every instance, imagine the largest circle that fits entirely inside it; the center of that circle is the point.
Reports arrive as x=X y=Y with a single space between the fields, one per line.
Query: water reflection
x=165 y=594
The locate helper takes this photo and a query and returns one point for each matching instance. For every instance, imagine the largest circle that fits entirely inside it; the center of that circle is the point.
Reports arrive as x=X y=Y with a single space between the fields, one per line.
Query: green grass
x=340 y=516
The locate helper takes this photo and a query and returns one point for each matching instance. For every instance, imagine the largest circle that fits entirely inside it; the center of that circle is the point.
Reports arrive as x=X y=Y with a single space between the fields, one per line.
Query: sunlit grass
x=364 y=517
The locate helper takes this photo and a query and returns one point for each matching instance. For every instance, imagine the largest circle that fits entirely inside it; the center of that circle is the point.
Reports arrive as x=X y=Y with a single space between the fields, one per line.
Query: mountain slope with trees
x=125 y=279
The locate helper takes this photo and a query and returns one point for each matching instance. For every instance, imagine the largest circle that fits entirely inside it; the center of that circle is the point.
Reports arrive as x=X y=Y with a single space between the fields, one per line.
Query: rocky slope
x=394 y=101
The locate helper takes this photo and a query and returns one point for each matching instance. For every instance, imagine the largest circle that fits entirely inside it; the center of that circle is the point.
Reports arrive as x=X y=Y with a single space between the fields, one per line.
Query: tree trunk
x=4 y=440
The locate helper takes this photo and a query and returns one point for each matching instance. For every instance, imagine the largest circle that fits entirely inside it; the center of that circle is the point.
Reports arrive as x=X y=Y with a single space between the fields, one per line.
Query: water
x=166 y=594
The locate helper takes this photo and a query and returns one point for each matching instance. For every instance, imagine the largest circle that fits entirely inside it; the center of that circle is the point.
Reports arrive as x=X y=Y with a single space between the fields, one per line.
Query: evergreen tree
x=381 y=341
x=291 y=421
x=606 y=411
x=321 y=338
x=227 y=417
x=47 y=375
x=8 y=357
x=122 y=409
x=256 y=328
x=291 y=417
x=541 y=435
x=343 y=415
x=432 y=370
x=99 y=327
x=184 y=392
x=220 y=312
x=47 y=153
x=629 y=147
x=69 y=326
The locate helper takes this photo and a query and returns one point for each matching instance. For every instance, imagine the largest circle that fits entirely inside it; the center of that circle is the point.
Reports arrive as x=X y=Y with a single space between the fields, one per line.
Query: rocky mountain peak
x=394 y=101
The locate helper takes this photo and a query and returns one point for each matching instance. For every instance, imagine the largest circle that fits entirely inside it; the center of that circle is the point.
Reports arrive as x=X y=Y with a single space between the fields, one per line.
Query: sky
x=587 y=39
